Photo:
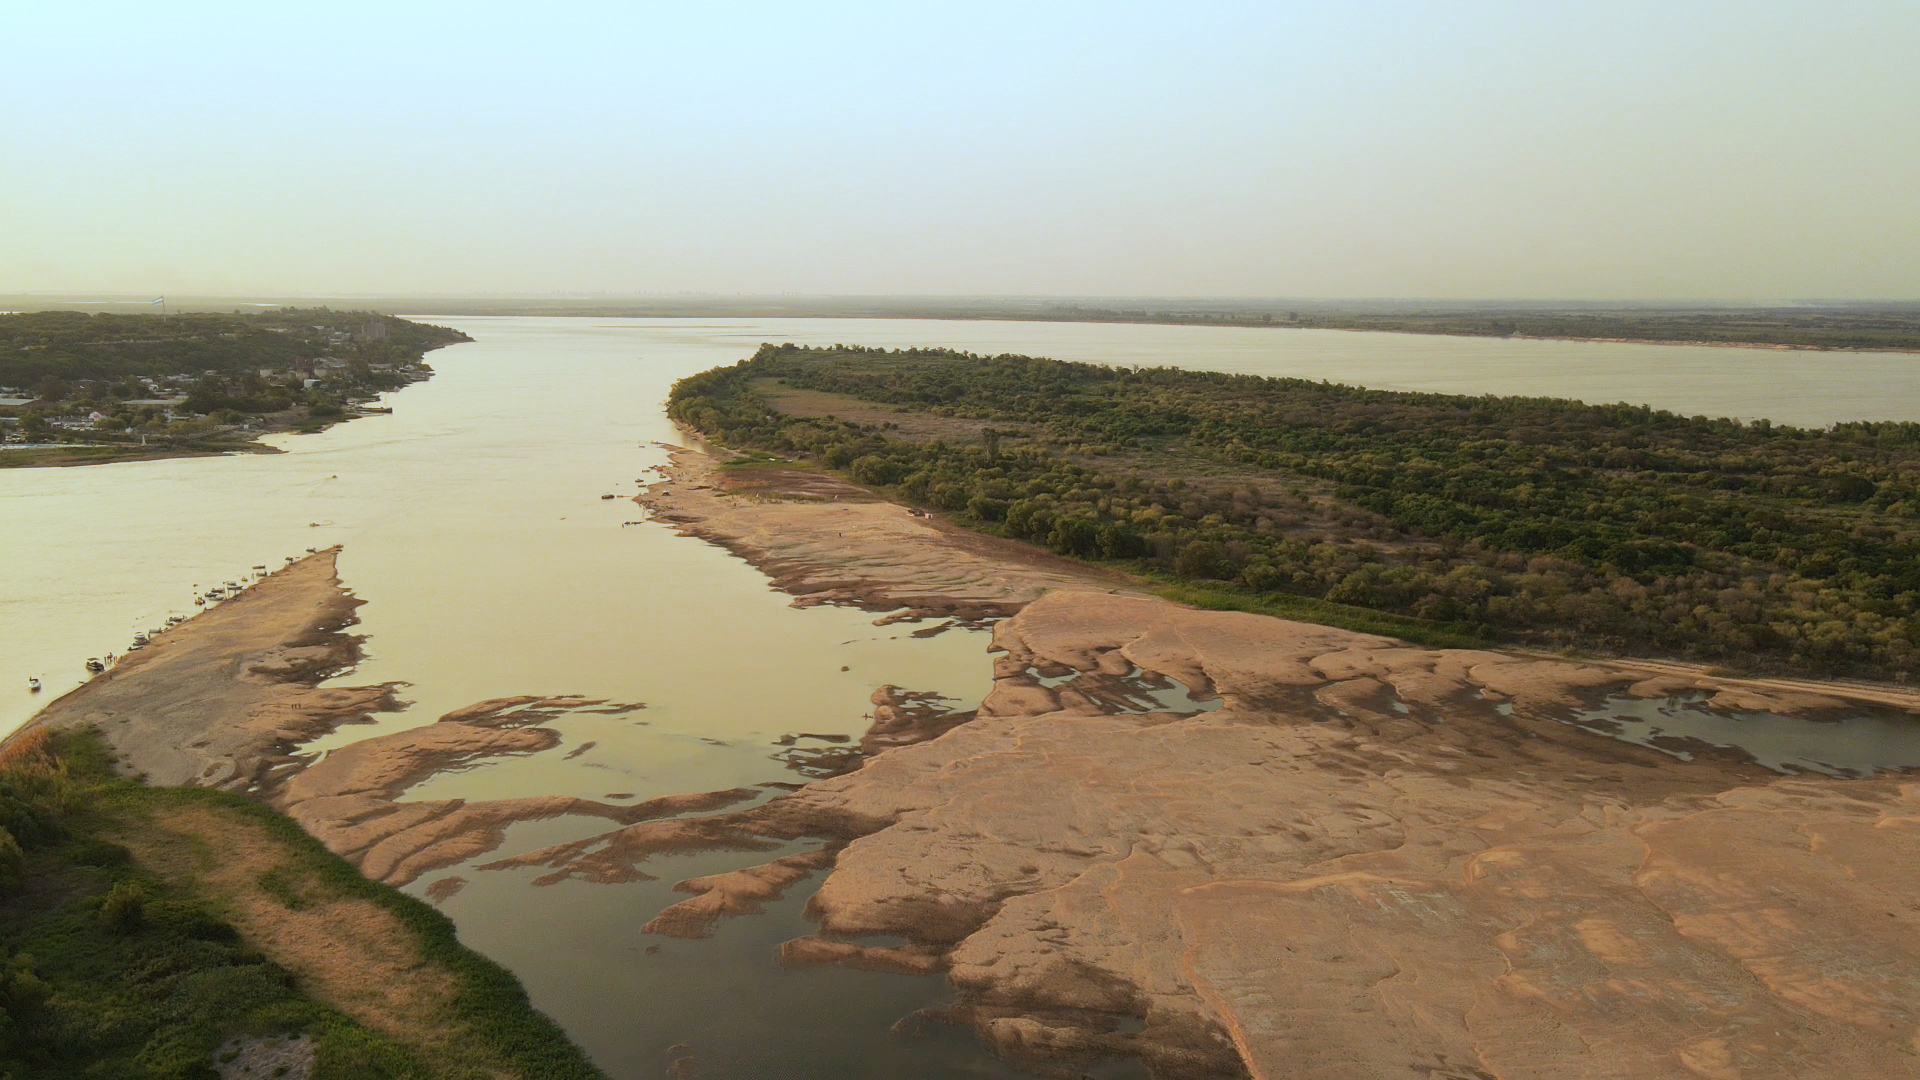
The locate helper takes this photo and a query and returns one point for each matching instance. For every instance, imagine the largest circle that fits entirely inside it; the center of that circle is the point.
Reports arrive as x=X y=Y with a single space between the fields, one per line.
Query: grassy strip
x=110 y=970
x=750 y=459
x=1224 y=597
x=488 y=1002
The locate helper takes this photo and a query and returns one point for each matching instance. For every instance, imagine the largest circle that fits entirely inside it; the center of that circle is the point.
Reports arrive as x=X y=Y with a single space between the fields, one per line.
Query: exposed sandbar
x=829 y=542
x=1368 y=860
x=223 y=698
x=1358 y=867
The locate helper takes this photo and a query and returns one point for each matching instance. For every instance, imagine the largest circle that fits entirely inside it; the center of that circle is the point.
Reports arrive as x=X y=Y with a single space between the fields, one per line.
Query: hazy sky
x=1536 y=149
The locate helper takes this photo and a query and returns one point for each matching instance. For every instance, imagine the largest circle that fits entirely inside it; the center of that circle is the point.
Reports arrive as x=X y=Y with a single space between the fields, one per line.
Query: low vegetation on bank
x=158 y=932
x=1610 y=528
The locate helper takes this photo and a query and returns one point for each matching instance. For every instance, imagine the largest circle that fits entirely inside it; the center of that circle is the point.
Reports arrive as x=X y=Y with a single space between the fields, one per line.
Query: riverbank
x=827 y=541
x=201 y=728
x=223 y=699
x=230 y=441
x=184 y=931
x=31 y=456
x=1417 y=834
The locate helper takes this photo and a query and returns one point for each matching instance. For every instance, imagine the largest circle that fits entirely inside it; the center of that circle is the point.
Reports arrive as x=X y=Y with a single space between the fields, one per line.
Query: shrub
x=124 y=907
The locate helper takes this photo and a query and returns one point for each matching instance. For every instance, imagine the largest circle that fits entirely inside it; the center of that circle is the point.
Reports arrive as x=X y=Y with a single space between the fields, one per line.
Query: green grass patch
x=108 y=970
x=279 y=884
x=1224 y=597
x=34 y=457
x=489 y=1000
x=754 y=458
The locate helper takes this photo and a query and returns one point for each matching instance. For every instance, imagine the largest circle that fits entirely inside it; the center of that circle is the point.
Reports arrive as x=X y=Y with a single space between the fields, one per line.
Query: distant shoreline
x=1781 y=346
x=1884 y=325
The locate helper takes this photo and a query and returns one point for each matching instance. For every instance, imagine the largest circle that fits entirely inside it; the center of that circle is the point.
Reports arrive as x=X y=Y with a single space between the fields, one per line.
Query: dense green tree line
x=1613 y=527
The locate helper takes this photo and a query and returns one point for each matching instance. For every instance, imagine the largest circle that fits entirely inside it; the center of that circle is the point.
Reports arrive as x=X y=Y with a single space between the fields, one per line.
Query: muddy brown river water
x=473 y=523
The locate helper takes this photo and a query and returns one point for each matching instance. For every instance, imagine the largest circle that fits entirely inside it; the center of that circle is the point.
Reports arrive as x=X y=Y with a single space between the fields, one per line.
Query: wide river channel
x=473 y=524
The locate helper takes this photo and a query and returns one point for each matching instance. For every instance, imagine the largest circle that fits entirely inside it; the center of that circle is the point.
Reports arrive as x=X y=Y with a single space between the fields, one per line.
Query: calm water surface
x=473 y=524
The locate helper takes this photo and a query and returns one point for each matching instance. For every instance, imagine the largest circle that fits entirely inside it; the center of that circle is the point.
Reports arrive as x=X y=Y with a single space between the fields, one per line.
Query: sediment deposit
x=225 y=698
x=351 y=799
x=1366 y=860
x=829 y=542
x=1370 y=860
x=222 y=699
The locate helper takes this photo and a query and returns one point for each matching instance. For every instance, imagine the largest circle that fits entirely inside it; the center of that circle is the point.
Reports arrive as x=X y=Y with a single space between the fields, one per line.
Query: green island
x=182 y=933
x=1607 y=529
x=78 y=388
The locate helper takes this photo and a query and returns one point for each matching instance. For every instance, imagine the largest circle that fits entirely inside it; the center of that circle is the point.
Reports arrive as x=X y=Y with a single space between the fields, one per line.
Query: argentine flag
x=156 y=300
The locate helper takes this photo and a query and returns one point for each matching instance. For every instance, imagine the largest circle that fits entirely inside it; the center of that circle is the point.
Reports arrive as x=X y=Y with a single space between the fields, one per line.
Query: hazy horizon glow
x=1632 y=150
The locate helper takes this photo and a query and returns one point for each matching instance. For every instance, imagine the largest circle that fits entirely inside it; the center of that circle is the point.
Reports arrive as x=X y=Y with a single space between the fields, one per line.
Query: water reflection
x=722 y=1001
x=1850 y=743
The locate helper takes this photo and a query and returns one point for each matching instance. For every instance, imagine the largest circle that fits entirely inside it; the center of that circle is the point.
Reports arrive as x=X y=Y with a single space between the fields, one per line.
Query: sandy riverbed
x=226 y=698
x=1323 y=854
x=1370 y=860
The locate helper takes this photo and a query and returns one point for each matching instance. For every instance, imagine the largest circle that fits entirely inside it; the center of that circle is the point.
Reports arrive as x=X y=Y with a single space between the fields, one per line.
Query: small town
x=118 y=385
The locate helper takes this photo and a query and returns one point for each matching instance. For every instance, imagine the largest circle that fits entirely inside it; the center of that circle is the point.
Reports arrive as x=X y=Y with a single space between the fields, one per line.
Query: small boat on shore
x=95 y=665
x=140 y=639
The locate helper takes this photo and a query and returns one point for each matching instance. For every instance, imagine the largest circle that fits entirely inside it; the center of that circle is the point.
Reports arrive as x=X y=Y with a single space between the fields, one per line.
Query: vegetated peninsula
x=160 y=918
x=1616 y=529
x=79 y=389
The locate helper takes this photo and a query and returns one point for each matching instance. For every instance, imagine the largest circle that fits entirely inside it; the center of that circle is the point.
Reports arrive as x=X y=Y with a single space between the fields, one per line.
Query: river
x=473 y=523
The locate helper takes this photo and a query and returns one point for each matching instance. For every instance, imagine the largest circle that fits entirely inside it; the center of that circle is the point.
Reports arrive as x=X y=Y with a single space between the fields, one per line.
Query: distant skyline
x=1422 y=150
